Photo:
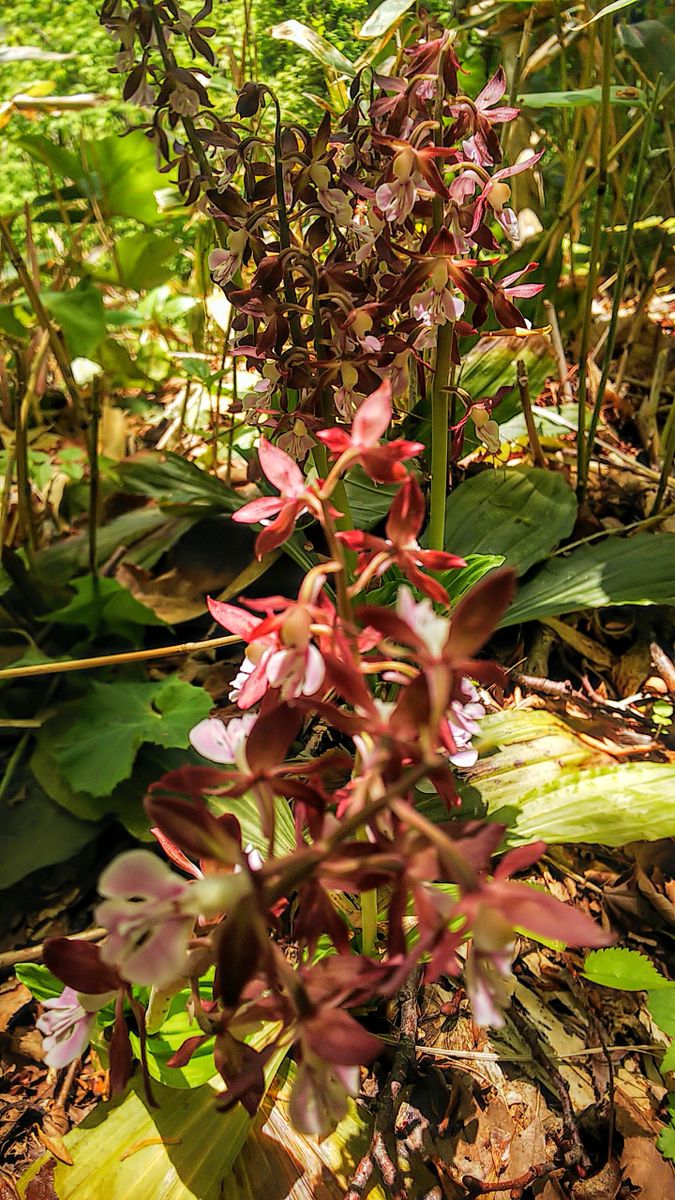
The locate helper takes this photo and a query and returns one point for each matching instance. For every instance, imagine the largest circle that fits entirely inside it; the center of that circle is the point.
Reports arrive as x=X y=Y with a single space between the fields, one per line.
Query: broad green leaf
x=665 y=1142
x=125 y=1150
x=538 y=777
x=581 y=97
x=103 y=606
x=39 y=981
x=94 y=740
x=186 y=1150
x=175 y=482
x=141 y=261
x=124 y=802
x=10 y=323
x=456 y=582
x=661 y=1004
x=36 y=833
x=80 y=314
x=520 y=512
x=176 y=1029
x=307 y=39
x=147 y=525
x=245 y=809
x=548 y=422
x=633 y=570
x=627 y=970
x=124 y=172
x=120 y=173
x=383 y=17
x=612 y=805
x=64 y=163
x=605 y=11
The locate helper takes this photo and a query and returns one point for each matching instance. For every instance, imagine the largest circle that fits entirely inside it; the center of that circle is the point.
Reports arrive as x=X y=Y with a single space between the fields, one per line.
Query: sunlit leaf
x=544 y=781
x=383 y=17
x=185 y=1150
x=40 y=982
x=605 y=11
x=581 y=97
x=634 y=570
x=12 y=54
x=625 y=969
x=307 y=39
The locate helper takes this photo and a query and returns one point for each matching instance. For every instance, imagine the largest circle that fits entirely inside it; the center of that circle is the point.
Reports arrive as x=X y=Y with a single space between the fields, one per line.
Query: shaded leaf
x=94 y=740
x=518 y=512
x=636 y=570
x=104 y=606
x=79 y=312
x=36 y=834
x=369 y=502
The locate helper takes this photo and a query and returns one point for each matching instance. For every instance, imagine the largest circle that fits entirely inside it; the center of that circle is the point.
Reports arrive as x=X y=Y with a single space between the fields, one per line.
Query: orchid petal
x=280 y=469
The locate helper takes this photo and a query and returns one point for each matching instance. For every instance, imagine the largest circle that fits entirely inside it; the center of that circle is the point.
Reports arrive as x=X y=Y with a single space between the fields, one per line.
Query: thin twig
x=559 y=351
x=379 y=1153
x=112 y=660
x=12 y=958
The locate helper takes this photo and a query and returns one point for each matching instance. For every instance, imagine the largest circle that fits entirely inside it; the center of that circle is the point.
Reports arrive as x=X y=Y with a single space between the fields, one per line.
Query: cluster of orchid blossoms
x=342 y=711
x=346 y=251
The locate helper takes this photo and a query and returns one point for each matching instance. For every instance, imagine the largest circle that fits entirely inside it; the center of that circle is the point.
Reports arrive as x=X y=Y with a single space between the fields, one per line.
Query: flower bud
x=499 y=195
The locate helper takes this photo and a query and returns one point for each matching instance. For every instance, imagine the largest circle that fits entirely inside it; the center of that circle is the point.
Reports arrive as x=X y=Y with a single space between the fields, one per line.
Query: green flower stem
x=593 y=262
x=620 y=277
x=369 y=922
x=439 y=437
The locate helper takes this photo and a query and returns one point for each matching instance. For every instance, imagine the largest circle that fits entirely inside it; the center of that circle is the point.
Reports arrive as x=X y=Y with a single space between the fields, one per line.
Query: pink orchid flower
x=498 y=906
x=435 y=306
x=481 y=115
x=400 y=546
x=145 y=911
x=66 y=1025
x=494 y=194
x=295 y=499
x=222 y=743
x=503 y=291
x=280 y=651
x=224 y=264
x=382 y=462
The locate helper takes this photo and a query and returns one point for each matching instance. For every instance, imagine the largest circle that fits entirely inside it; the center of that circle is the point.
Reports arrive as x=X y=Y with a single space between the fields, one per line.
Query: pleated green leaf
x=520 y=512
x=538 y=777
x=636 y=570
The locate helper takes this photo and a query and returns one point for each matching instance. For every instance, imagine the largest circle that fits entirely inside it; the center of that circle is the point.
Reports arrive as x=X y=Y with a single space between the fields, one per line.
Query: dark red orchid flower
x=382 y=462
x=400 y=546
